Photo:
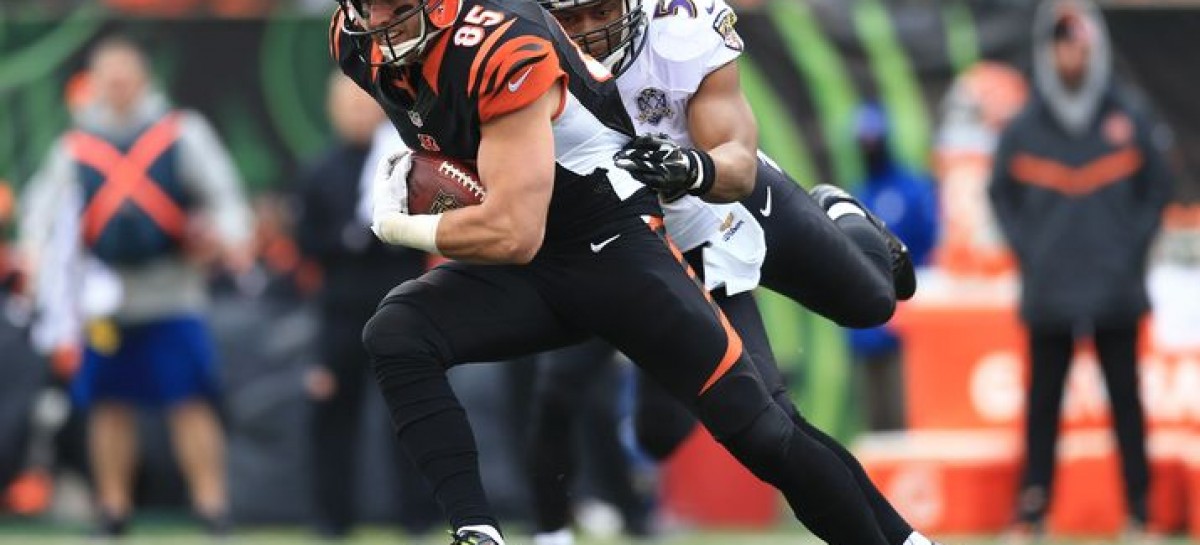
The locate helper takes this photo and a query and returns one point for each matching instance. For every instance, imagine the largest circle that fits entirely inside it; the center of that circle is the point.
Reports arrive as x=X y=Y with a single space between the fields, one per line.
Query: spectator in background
x=1079 y=186
x=334 y=229
x=146 y=196
x=905 y=201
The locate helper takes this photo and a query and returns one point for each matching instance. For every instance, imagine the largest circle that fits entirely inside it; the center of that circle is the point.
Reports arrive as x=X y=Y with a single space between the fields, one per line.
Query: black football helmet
x=616 y=44
x=396 y=52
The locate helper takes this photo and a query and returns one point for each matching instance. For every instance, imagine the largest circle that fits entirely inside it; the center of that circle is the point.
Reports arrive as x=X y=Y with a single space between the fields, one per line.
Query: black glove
x=664 y=166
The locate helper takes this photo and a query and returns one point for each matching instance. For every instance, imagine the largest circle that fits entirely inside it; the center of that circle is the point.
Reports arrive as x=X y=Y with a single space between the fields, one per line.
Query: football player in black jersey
x=565 y=245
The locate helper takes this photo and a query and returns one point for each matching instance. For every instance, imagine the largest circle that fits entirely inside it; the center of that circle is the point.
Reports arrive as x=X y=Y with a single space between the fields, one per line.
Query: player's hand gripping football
x=667 y=167
x=390 y=220
x=389 y=187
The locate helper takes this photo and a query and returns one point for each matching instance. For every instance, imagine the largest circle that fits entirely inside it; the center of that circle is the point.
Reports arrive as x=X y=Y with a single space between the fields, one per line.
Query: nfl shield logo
x=415 y=118
x=428 y=142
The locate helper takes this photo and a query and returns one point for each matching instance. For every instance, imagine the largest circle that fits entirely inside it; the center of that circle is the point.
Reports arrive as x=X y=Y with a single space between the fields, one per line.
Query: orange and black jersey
x=496 y=57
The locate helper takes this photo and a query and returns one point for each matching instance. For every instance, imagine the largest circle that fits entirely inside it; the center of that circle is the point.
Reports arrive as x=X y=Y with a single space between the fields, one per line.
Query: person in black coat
x=358 y=270
x=1079 y=186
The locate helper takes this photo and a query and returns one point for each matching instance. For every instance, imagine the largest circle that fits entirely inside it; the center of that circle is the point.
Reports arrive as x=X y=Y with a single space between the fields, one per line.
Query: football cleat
x=904 y=276
x=471 y=537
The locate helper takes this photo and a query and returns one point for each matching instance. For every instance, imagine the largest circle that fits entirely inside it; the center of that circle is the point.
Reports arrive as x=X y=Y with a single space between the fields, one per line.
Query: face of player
x=592 y=28
x=393 y=23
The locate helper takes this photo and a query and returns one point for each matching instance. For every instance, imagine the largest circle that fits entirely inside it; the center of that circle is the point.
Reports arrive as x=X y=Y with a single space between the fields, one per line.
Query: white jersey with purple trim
x=686 y=41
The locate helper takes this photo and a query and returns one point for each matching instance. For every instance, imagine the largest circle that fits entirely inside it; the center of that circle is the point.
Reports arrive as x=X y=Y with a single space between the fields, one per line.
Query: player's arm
x=516 y=165
x=722 y=166
x=721 y=123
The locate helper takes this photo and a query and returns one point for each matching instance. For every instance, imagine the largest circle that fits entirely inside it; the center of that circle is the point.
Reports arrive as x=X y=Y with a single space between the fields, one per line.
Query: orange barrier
x=945 y=482
x=1191 y=467
x=703 y=484
x=1089 y=497
x=963 y=366
x=965 y=375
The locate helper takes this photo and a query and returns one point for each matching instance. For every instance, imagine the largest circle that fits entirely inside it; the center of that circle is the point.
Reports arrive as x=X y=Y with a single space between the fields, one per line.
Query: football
x=437 y=183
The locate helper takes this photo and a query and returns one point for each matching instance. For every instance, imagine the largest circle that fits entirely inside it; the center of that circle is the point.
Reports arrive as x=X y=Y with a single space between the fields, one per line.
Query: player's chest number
x=470 y=34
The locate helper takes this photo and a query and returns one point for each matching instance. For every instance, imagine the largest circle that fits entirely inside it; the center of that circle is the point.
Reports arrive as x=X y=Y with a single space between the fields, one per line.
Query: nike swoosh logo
x=517 y=83
x=711 y=6
x=596 y=247
x=766 y=210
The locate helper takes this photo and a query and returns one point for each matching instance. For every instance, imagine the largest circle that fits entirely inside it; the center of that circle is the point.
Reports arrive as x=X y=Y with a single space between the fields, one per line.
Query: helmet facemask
x=395 y=51
x=615 y=44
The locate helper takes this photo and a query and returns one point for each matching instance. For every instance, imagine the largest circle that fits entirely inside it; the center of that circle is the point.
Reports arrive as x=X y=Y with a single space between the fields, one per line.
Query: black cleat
x=904 y=276
x=470 y=537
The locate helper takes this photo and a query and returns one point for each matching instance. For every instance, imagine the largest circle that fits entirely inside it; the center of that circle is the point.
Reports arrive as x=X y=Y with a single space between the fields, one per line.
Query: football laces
x=463 y=178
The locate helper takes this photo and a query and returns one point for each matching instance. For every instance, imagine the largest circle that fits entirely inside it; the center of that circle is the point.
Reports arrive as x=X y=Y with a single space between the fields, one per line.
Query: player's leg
x=564 y=378
x=661 y=423
x=743 y=314
x=1116 y=347
x=455 y=313
x=840 y=270
x=664 y=321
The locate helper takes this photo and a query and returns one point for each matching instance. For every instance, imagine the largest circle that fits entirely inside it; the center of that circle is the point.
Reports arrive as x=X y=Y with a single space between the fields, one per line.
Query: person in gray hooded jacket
x=1079 y=185
x=129 y=206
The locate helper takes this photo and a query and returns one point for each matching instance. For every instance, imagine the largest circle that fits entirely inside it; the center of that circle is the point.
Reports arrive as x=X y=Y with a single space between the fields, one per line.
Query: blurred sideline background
x=946 y=71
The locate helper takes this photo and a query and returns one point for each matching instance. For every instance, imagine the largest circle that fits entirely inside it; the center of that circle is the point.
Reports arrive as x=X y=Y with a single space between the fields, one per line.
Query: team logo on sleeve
x=415 y=118
x=653 y=106
x=724 y=26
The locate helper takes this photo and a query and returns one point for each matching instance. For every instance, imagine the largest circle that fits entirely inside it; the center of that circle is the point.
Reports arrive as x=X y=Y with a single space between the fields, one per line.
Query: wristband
x=419 y=231
x=706 y=174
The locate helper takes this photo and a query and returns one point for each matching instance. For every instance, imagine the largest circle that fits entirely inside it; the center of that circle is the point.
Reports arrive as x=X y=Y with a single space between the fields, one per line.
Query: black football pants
x=841 y=270
x=635 y=294
x=336 y=424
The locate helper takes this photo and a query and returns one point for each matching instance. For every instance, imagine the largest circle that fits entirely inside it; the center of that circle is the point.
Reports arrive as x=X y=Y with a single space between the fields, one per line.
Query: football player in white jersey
x=674 y=62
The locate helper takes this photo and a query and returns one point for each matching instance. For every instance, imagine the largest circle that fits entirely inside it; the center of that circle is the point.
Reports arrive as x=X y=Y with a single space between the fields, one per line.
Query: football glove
x=666 y=167
x=389 y=187
x=390 y=220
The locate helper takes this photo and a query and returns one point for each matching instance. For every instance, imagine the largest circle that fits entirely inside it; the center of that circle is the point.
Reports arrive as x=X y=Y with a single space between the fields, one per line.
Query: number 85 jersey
x=493 y=57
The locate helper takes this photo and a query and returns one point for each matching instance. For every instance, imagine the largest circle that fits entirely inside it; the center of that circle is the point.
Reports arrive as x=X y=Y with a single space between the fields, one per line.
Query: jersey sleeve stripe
x=525 y=50
x=520 y=71
x=473 y=76
x=515 y=68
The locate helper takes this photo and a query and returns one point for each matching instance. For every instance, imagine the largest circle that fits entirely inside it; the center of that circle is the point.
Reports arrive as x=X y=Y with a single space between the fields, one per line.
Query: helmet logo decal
x=443 y=13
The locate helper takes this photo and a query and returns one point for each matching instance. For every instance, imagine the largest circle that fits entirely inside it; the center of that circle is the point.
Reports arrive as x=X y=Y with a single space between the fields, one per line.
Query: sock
x=842 y=208
x=563 y=536
x=490 y=531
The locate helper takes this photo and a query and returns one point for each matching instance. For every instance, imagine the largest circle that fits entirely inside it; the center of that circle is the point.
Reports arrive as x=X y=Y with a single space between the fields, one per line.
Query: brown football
x=437 y=183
